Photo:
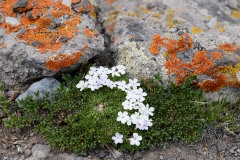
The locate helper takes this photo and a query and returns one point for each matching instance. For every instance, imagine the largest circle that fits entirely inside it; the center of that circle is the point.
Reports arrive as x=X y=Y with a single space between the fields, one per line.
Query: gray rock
x=24 y=60
x=63 y=157
x=233 y=149
x=161 y=157
x=27 y=153
x=39 y=152
x=44 y=86
x=233 y=4
x=137 y=155
x=221 y=146
x=78 y=158
x=131 y=26
x=20 y=4
x=102 y=155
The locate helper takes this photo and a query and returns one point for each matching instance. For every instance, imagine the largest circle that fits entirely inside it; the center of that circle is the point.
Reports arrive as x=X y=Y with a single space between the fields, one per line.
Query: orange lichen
x=64 y=60
x=172 y=46
x=90 y=33
x=57 y=62
x=76 y=1
x=216 y=56
x=4 y=45
x=110 y=1
x=200 y=65
x=38 y=30
x=220 y=81
x=91 y=10
x=228 y=47
x=49 y=40
x=7 y=7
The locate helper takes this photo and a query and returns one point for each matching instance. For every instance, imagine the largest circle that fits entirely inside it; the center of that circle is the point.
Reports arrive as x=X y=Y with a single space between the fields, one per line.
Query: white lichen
x=139 y=65
x=14 y=22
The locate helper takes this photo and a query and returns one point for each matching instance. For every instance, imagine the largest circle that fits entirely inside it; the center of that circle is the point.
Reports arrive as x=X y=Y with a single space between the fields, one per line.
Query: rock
x=137 y=155
x=44 y=86
x=161 y=158
x=233 y=149
x=63 y=157
x=78 y=158
x=233 y=4
x=12 y=94
x=237 y=138
x=175 y=40
x=27 y=153
x=19 y=5
x=221 y=146
x=59 y=40
x=39 y=152
x=102 y=155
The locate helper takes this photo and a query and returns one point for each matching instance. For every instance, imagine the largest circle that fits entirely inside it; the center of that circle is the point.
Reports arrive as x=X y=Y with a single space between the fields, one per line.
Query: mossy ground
x=79 y=121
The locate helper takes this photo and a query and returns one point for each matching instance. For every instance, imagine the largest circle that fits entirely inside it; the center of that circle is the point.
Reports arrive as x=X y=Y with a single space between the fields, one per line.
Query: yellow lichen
x=196 y=30
x=232 y=70
x=220 y=27
x=157 y=15
x=170 y=20
x=235 y=14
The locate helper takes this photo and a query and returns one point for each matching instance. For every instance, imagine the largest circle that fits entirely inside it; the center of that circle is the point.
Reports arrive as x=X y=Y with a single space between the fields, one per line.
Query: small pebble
x=161 y=158
x=221 y=146
x=137 y=155
x=77 y=158
x=232 y=150
x=27 y=153
x=102 y=155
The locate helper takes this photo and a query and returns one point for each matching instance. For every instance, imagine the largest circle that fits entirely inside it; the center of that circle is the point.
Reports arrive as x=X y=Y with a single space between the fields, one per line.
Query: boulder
x=44 y=86
x=176 y=39
x=45 y=38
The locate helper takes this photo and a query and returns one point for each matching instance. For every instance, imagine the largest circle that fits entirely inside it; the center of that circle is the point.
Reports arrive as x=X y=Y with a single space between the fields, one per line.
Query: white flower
x=146 y=110
x=118 y=70
x=110 y=84
x=133 y=83
x=144 y=124
x=129 y=104
x=140 y=94
x=135 y=140
x=135 y=117
x=123 y=117
x=82 y=85
x=122 y=85
x=103 y=78
x=92 y=71
x=118 y=138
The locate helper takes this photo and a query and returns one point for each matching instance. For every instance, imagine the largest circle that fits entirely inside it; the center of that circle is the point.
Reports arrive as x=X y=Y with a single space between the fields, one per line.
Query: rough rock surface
x=177 y=39
x=44 y=38
x=46 y=85
x=39 y=152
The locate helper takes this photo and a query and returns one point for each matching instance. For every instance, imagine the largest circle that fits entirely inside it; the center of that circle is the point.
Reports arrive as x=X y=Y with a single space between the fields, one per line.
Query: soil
x=220 y=144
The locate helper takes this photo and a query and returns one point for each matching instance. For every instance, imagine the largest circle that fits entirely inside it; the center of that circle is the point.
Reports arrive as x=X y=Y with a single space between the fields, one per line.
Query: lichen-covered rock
x=177 y=39
x=44 y=38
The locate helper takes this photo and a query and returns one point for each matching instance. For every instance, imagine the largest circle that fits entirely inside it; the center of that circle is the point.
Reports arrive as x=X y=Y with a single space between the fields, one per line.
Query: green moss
x=78 y=121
